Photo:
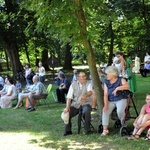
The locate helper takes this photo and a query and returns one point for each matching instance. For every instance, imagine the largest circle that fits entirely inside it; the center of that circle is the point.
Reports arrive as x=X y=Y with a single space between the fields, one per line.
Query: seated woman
x=113 y=86
x=142 y=121
x=11 y=94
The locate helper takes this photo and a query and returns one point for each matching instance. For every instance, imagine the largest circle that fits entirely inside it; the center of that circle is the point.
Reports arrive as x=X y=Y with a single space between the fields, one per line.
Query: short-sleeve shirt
x=111 y=87
x=66 y=82
x=39 y=88
x=147 y=109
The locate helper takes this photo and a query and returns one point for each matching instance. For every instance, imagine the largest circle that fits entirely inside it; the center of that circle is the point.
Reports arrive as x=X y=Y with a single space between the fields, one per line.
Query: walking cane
x=79 y=118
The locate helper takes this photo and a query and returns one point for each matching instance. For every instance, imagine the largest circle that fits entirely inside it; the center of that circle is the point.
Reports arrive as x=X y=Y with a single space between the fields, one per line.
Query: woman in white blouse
x=6 y=99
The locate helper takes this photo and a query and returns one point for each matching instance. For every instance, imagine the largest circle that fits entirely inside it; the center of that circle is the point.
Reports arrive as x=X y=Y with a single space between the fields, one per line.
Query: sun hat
x=65 y=117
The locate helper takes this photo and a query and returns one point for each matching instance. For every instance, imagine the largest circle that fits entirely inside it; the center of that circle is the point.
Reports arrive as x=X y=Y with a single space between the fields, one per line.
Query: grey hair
x=112 y=70
x=36 y=77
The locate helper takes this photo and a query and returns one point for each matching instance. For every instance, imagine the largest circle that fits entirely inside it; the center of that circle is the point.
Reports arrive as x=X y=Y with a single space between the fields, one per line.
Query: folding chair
x=54 y=96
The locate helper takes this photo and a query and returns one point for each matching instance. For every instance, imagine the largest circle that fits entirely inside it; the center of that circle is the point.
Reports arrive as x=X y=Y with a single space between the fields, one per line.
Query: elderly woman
x=113 y=86
x=11 y=94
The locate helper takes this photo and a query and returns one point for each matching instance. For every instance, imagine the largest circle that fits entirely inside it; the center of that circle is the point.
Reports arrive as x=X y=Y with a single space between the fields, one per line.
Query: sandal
x=105 y=132
x=147 y=138
x=133 y=137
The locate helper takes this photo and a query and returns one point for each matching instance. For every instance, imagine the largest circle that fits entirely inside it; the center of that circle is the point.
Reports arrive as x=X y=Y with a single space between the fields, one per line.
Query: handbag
x=125 y=93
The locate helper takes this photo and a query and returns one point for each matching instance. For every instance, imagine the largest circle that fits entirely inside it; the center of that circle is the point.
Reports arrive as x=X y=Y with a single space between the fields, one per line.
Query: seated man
x=62 y=89
x=57 y=79
x=36 y=91
x=79 y=95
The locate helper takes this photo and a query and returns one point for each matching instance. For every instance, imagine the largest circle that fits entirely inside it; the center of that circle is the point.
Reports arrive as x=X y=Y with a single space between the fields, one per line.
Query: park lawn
x=42 y=129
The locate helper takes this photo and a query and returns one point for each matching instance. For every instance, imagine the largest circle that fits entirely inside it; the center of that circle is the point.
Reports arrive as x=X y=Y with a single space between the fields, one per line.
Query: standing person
x=131 y=75
x=41 y=73
x=62 y=89
x=75 y=74
x=142 y=121
x=6 y=99
x=113 y=98
x=120 y=63
x=137 y=64
x=28 y=74
x=146 y=68
x=79 y=95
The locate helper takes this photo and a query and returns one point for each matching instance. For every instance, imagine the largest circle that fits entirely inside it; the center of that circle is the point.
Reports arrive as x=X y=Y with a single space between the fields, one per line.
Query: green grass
x=43 y=128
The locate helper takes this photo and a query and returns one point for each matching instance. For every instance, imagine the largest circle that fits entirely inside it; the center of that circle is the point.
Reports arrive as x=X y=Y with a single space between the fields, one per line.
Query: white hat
x=65 y=117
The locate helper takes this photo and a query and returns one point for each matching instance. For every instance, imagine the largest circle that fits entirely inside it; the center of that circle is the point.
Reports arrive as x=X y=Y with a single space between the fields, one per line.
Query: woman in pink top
x=142 y=121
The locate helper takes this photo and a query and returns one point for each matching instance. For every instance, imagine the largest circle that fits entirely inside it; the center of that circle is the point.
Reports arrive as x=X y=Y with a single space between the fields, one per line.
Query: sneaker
x=67 y=133
x=31 y=109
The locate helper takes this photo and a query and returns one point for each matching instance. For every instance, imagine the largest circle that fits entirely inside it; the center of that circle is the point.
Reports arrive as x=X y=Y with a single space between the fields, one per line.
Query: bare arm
x=105 y=98
x=124 y=86
x=67 y=109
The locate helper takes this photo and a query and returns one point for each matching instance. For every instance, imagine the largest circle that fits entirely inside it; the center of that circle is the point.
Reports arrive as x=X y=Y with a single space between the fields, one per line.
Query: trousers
x=86 y=112
x=120 y=105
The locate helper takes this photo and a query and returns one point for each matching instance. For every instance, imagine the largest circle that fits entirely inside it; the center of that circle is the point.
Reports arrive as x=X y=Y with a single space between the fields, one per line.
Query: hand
x=115 y=92
x=66 y=110
x=105 y=108
x=83 y=98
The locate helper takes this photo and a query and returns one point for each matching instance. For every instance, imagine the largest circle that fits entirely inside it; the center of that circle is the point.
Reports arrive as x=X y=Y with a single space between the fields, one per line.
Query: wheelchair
x=123 y=127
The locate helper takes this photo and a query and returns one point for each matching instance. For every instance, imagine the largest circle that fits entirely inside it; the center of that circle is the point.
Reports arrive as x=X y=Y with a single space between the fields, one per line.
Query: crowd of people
x=79 y=94
x=34 y=89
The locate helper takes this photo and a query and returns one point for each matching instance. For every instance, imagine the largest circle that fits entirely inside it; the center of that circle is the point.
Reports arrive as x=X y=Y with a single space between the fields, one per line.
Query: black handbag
x=125 y=93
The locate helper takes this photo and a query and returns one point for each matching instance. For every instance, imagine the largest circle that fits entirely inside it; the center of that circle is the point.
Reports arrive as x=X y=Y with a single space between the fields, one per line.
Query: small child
x=18 y=86
x=142 y=121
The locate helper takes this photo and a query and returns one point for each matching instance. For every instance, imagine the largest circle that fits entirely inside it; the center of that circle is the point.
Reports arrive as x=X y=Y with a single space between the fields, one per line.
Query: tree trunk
x=90 y=54
x=111 y=44
x=44 y=59
x=68 y=58
x=12 y=53
x=10 y=40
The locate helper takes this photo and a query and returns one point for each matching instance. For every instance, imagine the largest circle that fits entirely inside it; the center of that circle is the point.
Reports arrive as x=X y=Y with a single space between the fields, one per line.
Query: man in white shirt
x=79 y=96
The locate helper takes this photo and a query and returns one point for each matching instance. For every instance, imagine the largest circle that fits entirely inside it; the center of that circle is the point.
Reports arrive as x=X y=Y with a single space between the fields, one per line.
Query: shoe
x=133 y=137
x=89 y=132
x=105 y=132
x=28 y=108
x=15 y=107
x=67 y=133
x=94 y=109
x=32 y=109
